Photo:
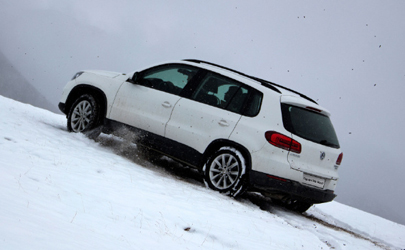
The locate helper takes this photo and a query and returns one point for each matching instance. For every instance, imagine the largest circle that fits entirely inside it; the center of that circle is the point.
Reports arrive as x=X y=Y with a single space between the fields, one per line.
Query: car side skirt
x=160 y=144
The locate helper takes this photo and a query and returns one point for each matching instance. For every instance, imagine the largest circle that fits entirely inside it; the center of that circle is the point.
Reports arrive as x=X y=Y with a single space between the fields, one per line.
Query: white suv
x=242 y=132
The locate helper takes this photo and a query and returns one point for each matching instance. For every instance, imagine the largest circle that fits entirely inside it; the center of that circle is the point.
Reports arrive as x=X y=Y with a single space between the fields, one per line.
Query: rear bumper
x=278 y=186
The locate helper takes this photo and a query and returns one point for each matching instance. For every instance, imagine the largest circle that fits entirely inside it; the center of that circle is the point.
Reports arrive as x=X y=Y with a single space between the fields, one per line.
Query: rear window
x=309 y=125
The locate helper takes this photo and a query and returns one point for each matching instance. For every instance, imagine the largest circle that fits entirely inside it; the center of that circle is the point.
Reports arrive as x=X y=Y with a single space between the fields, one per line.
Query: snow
x=61 y=190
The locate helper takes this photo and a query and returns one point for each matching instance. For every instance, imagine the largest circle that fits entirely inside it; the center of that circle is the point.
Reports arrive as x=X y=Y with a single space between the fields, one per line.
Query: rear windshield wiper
x=330 y=144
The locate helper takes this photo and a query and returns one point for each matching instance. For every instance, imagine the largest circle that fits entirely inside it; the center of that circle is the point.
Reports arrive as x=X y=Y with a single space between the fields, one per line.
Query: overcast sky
x=347 y=55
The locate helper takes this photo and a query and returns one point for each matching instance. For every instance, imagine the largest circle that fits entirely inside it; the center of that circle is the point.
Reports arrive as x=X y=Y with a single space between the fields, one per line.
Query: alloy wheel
x=81 y=116
x=224 y=171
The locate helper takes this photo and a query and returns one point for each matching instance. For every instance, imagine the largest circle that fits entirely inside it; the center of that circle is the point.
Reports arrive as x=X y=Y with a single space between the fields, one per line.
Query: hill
x=15 y=86
x=61 y=190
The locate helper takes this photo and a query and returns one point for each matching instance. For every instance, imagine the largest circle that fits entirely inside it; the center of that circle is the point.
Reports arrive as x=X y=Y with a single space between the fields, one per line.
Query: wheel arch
x=217 y=144
x=82 y=89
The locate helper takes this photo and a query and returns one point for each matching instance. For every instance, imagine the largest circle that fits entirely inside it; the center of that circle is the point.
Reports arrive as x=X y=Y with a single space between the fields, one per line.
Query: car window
x=168 y=78
x=222 y=92
x=310 y=125
x=254 y=103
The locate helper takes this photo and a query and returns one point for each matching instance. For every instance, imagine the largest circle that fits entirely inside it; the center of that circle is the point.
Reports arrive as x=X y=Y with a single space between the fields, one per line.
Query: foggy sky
x=347 y=55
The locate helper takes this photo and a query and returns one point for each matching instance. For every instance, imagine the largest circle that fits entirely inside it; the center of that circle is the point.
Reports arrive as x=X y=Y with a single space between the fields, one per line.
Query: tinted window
x=310 y=125
x=222 y=92
x=168 y=78
x=254 y=103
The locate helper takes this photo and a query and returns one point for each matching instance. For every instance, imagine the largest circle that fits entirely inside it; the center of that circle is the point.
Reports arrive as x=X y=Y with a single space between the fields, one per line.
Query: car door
x=148 y=102
x=211 y=112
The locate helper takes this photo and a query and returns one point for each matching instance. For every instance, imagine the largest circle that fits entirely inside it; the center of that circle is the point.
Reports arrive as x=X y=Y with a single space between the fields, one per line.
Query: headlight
x=77 y=75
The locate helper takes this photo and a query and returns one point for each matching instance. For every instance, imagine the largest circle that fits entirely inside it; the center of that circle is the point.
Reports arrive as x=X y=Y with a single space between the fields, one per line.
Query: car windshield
x=309 y=125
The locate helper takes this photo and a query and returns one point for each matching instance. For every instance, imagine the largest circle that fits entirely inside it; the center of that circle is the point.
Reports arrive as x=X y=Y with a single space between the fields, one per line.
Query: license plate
x=314 y=181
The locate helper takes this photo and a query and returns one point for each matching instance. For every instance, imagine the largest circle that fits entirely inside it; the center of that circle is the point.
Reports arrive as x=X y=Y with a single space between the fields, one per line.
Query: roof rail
x=265 y=83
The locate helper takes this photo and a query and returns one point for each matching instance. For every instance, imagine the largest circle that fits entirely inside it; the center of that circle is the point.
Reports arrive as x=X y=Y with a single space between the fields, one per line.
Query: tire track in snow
x=266 y=204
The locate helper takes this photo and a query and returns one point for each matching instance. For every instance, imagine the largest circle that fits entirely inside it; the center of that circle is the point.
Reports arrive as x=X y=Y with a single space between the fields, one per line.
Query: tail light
x=339 y=159
x=282 y=141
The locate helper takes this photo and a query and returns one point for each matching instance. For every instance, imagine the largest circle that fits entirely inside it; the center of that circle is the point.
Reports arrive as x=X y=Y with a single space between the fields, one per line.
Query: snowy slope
x=60 y=190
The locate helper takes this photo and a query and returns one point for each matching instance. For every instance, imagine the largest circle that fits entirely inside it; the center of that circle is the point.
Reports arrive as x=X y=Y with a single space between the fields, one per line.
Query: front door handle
x=223 y=123
x=166 y=104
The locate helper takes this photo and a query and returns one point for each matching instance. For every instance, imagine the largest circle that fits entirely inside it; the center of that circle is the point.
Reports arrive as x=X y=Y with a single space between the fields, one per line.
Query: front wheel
x=225 y=171
x=84 y=116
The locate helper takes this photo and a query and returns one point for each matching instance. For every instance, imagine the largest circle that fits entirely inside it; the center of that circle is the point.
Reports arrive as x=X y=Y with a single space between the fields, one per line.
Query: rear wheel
x=225 y=171
x=300 y=206
x=84 y=116
x=294 y=205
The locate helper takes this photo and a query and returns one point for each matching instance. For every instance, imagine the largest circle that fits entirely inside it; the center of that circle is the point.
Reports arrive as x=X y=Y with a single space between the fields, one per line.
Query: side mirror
x=134 y=78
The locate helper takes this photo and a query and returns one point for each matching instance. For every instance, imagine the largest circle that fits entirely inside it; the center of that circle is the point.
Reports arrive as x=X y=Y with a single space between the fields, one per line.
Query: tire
x=296 y=205
x=84 y=116
x=225 y=171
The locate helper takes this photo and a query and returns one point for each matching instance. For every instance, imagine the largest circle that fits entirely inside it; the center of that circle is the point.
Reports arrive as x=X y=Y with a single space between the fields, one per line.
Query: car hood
x=104 y=73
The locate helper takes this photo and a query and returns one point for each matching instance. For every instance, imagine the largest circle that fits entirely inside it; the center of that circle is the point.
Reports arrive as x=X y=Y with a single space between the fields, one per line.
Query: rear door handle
x=223 y=123
x=166 y=104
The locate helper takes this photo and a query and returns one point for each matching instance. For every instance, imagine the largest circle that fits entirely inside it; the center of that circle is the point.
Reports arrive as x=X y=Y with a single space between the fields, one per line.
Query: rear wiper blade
x=326 y=143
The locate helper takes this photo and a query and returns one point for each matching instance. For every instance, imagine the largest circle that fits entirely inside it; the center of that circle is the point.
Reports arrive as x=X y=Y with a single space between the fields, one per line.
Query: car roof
x=270 y=85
